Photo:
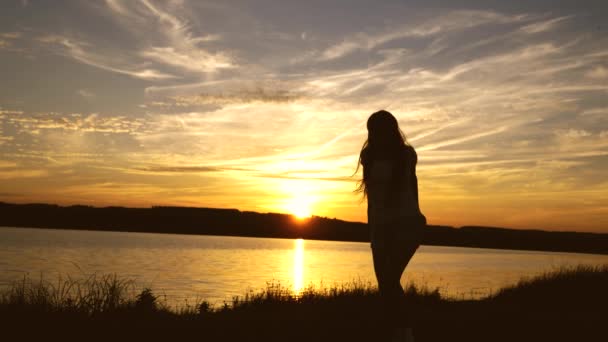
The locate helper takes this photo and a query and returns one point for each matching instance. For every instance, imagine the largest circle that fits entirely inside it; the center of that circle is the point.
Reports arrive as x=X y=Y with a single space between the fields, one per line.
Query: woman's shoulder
x=410 y=153
x=365 y=155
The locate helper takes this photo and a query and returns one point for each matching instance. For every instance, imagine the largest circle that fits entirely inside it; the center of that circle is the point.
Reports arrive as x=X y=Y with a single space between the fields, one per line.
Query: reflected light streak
x=298 y=266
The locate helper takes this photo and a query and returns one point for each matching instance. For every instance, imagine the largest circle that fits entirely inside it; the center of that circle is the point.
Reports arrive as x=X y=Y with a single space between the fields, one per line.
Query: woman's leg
x=390 y=259
x=406 y=243
x=381 y=253
x=392 y=250
x=400 y=258
x=382 y=269
x=387 y=257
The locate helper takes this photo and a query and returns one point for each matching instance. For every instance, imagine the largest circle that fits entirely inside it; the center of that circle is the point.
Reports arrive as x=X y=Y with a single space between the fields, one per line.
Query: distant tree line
x=232 y=222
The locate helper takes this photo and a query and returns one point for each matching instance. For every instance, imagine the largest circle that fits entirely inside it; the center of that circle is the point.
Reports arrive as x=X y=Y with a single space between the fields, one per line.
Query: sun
x=300 y=207
x=299 y=198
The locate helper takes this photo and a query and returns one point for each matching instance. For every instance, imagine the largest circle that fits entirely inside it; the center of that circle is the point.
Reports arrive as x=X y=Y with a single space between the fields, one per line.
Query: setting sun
x=300 y=207
x=299 y=197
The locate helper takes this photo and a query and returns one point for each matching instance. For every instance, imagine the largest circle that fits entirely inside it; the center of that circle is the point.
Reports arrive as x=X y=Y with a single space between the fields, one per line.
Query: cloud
x=116 y=6
x=80 y=51
x=598 y=72
x=86 y=93
x=342 y=49
x=27 y=123
x=7 y=164
x=7 y=41
x=574 y=133
x=194 y=61
x=243 y=96
x=179 y=169
x=451 y=22
x=17 y=174
x=544 y=26
x=466 y=138
x=210 y=96
x=182 y=49
x=10 y=35
x=307 y=177
x=4 y=140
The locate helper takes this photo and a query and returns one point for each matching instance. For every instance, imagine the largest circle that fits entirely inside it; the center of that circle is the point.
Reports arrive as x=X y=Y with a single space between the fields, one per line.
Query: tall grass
x=92 y=295
x=98 y=294
x=108 y=293
x=564 y=284
x=107 y=307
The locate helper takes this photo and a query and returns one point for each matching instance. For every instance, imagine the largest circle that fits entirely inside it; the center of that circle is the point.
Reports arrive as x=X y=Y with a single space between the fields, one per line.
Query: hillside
x=232 y=222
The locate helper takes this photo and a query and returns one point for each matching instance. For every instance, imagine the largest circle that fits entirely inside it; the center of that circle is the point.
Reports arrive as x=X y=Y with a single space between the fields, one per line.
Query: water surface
x=215 y=268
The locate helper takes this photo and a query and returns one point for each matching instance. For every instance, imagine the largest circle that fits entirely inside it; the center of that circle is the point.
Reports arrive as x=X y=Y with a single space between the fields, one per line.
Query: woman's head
x=383 y=133
x=384 y=141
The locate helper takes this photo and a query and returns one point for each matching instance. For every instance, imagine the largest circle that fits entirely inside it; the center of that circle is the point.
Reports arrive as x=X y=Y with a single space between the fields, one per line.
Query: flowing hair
x=385 y=141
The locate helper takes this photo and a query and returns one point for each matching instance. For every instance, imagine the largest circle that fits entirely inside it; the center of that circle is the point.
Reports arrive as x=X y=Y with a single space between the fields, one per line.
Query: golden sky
x=262 y=105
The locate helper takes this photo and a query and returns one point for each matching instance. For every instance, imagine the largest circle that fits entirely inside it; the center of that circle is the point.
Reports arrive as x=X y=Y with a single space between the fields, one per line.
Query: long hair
x=385 y=141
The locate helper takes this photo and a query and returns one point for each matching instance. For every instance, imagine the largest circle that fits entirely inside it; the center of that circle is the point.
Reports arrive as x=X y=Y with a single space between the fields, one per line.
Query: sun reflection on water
x=298 y=266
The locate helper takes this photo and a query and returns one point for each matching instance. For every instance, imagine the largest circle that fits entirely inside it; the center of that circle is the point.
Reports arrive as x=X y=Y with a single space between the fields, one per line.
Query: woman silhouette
x=396 y=224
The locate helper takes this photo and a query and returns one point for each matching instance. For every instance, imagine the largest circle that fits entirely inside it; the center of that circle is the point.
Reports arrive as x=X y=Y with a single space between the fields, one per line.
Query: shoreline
x=232 y=222
x=287 y=238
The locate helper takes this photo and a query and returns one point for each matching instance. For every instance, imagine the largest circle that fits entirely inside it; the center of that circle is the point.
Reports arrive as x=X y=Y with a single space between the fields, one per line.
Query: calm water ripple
x=215 y=268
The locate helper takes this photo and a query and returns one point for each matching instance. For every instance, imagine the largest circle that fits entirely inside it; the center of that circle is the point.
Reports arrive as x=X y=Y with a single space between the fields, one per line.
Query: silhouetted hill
x=232 y=222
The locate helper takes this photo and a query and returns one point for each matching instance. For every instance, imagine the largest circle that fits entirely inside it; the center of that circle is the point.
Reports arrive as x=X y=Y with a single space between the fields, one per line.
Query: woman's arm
x=414 y=179
x=415 y=189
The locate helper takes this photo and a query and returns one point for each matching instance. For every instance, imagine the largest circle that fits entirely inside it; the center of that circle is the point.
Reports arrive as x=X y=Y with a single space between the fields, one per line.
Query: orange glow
x=300 y=208
x=300 y=197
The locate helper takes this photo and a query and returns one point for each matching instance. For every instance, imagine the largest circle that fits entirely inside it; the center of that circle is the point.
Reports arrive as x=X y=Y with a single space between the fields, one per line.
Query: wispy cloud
x=451 y=22
x=116 y=6
x=177 y=48
x=179 y=169
x=544 y=26
x=599 y=72
x=244 y=96
x=18 y=174
x=8 y=40
x=87 y=94
x=183 y=49
x=194 y=61
x=81 y=51
x=73 y=122
x=10 y=35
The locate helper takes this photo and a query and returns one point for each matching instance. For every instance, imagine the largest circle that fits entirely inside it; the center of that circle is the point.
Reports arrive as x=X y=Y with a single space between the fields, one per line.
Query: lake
x=216 y=268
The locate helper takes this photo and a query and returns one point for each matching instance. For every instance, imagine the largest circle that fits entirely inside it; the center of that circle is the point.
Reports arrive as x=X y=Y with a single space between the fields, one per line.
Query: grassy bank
x=565 y=305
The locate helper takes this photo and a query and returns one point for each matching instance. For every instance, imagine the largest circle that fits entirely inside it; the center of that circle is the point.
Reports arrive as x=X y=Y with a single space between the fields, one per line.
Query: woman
x=396 y=224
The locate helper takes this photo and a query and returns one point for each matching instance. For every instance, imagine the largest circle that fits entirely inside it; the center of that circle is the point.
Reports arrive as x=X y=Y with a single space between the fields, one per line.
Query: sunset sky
x=261 y=105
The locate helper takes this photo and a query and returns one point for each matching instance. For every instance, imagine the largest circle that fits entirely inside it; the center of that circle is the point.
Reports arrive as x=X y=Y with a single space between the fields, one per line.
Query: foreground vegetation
x=565 y=305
